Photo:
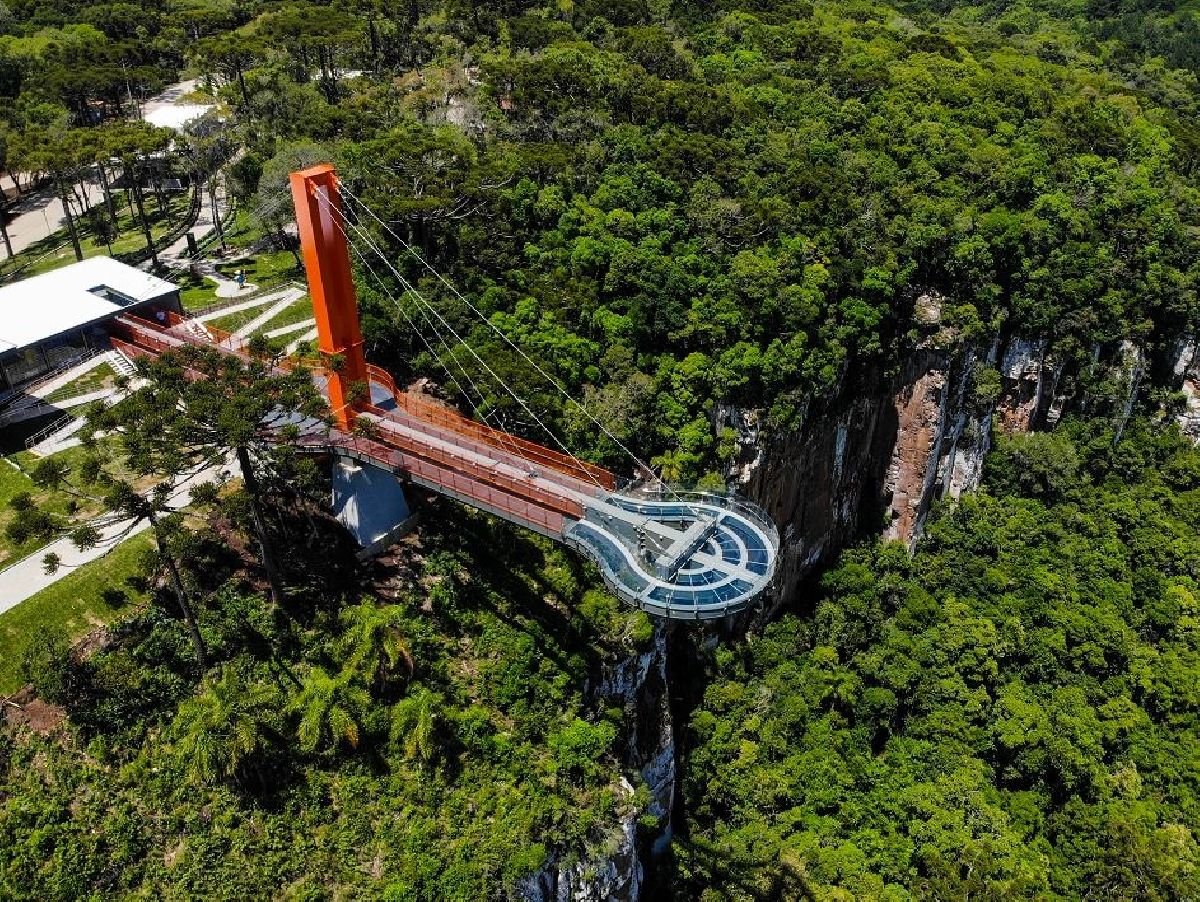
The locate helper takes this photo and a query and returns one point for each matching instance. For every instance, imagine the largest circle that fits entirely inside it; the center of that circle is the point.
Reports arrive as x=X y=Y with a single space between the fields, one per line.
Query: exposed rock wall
x=614 y=869
x=872 y=458
x=875 y=457
x=1023 y=368
x=921 y=416
x=1185 y=374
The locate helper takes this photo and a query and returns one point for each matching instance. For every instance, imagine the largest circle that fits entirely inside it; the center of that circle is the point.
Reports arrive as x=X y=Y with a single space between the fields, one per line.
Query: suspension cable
x=421 y=335
x=482 y=414
x=406 y=284
x=507 y=445
x=554 y=382
x=412 y=325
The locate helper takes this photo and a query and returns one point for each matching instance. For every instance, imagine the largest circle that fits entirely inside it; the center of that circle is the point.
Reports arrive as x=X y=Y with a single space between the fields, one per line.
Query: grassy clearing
x=244 y=230
x=97 y=593
x=76 y=507
x=98 y=377
x=266 y=270
x=14 y=483
x=194 y=291
x=234 y=321
x=280 y=344
x=296 y=313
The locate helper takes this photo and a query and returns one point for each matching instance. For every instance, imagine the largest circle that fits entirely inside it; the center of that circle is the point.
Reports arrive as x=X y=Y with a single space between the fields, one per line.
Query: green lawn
x=244 y=230
x=94 y=594
x=234 y=321
x=98 y=377
x=53 y=501
x=265 y=270
x=279 y=345
x=12 y=483
x=194 y=291
x=297 y=312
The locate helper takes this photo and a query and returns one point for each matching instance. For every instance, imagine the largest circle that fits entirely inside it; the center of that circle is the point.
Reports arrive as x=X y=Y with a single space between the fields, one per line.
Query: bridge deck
x=701 y=557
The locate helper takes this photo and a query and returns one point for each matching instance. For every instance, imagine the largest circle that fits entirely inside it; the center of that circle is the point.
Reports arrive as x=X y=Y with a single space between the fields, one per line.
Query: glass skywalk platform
x=692 y=557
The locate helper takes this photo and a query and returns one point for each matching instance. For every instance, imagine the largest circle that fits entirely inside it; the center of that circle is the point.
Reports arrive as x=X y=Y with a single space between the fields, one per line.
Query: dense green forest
x=670 y=206
x=1009 y=713
x=680 y=206
x=425 y=743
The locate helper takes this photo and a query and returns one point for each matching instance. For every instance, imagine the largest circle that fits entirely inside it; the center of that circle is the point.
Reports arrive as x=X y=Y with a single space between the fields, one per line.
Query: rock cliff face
x=1185 y=377
x=875 y=456
x=615 y=868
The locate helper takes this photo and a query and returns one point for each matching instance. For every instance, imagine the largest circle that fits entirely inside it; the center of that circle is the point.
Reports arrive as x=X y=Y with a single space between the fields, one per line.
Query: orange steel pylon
x=327 y=259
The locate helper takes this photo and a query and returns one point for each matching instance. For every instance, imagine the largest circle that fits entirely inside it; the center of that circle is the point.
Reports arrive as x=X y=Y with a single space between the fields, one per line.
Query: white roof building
x=50 y=319
x=41 y=307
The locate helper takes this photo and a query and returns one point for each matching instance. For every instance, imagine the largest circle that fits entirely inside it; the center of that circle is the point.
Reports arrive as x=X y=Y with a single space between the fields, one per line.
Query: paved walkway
x=226 y=288
x=293 y=346
x=168 y=109
x=28 y=576
x=260 y=301
x=289 y=297
x=33 y=403
x=294 y=327
x=67 y=436
x=42 y=389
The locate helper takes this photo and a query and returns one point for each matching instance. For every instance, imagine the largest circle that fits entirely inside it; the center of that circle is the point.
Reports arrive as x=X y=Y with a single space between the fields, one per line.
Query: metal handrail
x=728 y=500
x=38 y=437
x=457 y=424
x=541 y=508
x=13 y=394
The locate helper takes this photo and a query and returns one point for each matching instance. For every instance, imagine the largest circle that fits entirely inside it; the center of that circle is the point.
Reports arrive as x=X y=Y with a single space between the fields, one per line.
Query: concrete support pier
x=369 y=501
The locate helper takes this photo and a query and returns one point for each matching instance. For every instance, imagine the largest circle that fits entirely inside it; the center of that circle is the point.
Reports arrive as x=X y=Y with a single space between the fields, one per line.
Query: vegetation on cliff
x=672 y=207
x=429 y=741
x=1011 y=712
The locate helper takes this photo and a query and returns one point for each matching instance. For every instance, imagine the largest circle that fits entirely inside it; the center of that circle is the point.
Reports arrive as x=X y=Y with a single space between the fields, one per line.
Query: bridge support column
x=369 y=501
x=327 y=261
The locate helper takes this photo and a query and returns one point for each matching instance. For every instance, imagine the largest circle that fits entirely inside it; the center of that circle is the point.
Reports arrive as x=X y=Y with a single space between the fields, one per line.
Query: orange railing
x=146 y=334
x=390 y=423
x=455 y=472
x=383 y=377
x=131 y=351
x=443 y=416
x=416 y=406
x=414 y=448
x=462 y=479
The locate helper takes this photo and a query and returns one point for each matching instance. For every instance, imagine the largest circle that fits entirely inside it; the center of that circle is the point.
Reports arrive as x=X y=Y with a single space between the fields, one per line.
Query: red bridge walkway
x=694 y=557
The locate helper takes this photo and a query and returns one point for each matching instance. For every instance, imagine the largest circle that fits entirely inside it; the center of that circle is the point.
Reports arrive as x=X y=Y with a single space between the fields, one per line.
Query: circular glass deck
x=699 y=557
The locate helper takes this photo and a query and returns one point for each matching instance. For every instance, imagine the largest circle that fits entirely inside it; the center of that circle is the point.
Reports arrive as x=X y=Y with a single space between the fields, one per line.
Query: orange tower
x=327 y=259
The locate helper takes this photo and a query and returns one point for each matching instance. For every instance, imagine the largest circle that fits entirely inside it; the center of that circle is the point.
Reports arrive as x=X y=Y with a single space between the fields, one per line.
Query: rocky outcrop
x=1023 y=368
x=875 y=457
x=614 y=869
x=921 y=409
x=612 y=873
x=1185 y=374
